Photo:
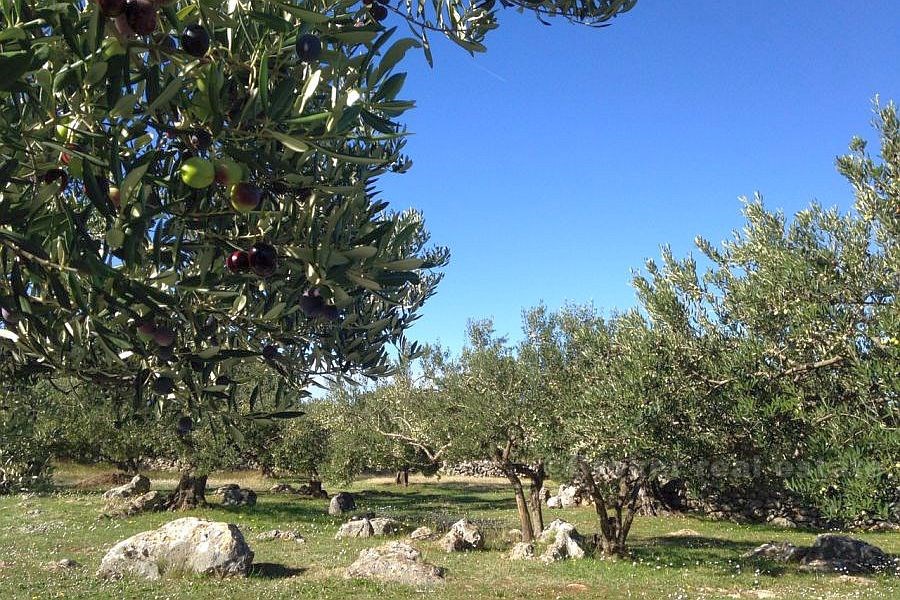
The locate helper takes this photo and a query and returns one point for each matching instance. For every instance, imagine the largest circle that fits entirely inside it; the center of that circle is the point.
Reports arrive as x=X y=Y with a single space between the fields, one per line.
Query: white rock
x=563 y=547
x=395 y=562
x=183 y=546
x=549 y=532
x=422 y=533
x=137 y=486
x=357 y=528
x=463 y=535
x=522 y=551
x=385 y=526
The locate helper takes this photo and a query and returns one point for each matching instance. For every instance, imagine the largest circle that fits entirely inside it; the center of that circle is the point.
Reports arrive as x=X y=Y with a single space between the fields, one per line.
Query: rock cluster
x=568 y=496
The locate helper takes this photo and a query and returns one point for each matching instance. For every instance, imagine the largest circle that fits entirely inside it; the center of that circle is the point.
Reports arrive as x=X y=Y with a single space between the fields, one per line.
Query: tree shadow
x=688 y=551
x=275 y=571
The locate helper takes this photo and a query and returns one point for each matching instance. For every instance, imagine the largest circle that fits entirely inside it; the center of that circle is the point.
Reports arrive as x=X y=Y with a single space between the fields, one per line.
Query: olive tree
x=185 y=185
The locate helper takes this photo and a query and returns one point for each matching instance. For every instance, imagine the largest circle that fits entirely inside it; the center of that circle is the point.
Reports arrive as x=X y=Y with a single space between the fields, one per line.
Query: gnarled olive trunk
x=190 y=492
x=521 y=504
x=402 y=477
x=537 y=476
x=613 y=529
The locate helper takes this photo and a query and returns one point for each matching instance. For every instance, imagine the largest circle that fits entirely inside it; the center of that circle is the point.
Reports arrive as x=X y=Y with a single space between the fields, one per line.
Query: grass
x=35 y=530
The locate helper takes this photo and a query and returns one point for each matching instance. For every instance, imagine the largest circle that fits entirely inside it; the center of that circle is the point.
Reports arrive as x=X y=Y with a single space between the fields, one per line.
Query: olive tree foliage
x=788 y=342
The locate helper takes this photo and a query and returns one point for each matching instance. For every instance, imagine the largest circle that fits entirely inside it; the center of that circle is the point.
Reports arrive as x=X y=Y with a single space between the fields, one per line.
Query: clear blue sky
x=564 y=157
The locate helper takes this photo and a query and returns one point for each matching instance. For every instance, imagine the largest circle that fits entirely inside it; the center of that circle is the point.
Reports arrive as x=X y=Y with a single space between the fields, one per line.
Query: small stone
x=422 y=533
x=782 y=522
x=341 y=503
x=385 y=526
x=64 y=564
x=522 y=551
x=357 y=528
x=137 y=486
x=278 y=534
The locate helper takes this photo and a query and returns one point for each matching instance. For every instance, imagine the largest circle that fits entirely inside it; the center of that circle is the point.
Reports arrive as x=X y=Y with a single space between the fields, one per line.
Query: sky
x=564 y=157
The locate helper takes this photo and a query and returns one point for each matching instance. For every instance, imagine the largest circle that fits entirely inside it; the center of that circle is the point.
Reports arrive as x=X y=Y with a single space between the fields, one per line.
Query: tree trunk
x=190 y=493
x=537 y=483
x=402 y=477
x=611 y=541
x=521 y=504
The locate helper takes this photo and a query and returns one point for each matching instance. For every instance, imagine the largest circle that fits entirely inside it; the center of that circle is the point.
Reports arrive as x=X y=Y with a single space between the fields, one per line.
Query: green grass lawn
x=37 y=529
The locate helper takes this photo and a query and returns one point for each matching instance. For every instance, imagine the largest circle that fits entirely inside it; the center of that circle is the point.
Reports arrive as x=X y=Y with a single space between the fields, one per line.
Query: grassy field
x=35 y=530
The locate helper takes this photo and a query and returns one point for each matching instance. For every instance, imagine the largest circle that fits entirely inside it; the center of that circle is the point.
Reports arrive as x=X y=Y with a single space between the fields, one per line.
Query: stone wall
x=472 y=468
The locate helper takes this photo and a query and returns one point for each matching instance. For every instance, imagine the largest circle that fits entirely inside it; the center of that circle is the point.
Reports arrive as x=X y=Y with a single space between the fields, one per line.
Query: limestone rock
x=549 y=532
x=782 y=522
x=422 y=533
x=463 y=535
x=522 y=551
x=569 y=496
x=282 y=488
x=565 y=545
x=238 y=497
x=554 y=502
x=149 y=502
x=385 y=526
x=777 y=551
x=137 y=486
x=183 y=546
x=341 y=503
x=278 y=534
x=64 y=564
x=395 y=562
x=513 y=535
x=357 y=528
x=844 y=554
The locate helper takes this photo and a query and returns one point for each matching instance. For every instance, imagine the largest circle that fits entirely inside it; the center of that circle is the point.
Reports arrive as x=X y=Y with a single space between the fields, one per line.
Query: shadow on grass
x=274 y=571
x=465 y=499
x=690 y=551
